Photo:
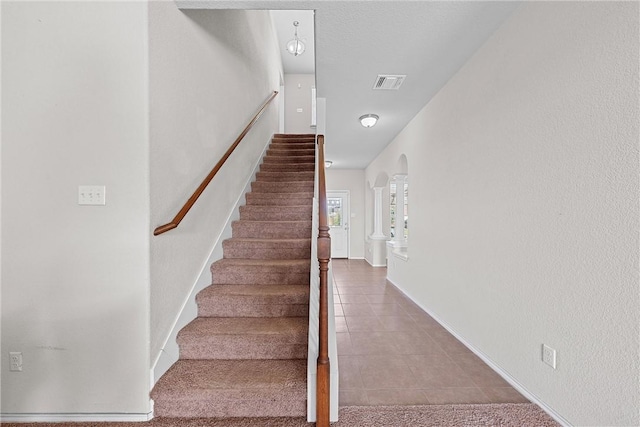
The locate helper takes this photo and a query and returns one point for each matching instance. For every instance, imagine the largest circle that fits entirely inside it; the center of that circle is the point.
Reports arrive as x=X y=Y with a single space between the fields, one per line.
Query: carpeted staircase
x=245 y=355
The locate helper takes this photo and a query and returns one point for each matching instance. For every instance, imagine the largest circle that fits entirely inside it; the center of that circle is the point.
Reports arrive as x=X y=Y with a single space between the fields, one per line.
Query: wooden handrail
x=196 y=194
x=323 y=397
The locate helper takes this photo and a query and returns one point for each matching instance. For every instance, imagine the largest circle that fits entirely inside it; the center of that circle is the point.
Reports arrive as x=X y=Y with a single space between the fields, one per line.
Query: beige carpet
x=504 y=415
x=245 y=355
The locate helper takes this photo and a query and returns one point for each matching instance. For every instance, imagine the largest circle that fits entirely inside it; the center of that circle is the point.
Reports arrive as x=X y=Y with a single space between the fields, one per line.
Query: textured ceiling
x=357 y=40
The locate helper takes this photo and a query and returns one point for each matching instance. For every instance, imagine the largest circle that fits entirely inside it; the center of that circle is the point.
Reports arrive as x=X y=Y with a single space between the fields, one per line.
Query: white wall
x=524 y=205
x=75 y=279
x=297 y=92
x=210 y=70
x=353 y=181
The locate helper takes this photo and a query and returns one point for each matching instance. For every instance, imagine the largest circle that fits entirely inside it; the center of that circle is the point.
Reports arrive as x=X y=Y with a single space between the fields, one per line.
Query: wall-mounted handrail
x=323 y=397
x=196 y=194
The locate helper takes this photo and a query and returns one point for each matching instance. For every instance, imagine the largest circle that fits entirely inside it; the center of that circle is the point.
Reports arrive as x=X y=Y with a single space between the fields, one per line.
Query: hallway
x=393 y=353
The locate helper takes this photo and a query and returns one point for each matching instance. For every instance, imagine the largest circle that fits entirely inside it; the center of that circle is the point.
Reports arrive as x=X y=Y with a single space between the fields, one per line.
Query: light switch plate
x=92 y=195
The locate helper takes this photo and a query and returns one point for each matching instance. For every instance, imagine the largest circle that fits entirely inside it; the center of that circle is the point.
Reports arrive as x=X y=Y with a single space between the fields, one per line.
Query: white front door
x=338 y=221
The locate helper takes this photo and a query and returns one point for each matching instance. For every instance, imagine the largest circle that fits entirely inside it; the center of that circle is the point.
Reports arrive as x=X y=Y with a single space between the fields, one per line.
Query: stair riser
x=285 y=176
x=293 y=153
x=293 y=142
x=238 y=306
x=286 y=146
x=274 y=213
x=274 y=201
x=281 y=187
x=253 y=301
x=293 y=267
x=224 y=405
x=233 y=347
x=287 y=167
x=273 y=216
x=294 y=137
x=266 y=253
x=242 y=277
x=271 y=230
x=296 y=140
x=289 y=159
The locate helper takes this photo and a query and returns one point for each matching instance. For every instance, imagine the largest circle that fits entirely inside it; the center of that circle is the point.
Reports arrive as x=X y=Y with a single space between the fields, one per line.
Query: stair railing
x=196 y=194
x=323 y=396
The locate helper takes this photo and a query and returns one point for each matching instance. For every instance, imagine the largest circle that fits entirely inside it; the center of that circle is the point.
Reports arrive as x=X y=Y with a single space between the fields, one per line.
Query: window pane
x=392 y=208
x=406 y=210
x=334 y=211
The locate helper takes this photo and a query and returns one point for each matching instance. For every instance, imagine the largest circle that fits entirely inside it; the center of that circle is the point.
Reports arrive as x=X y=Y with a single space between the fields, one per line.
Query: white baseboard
x=375 y=265
x=505 y=375
x=58 y=418
x=189 y=310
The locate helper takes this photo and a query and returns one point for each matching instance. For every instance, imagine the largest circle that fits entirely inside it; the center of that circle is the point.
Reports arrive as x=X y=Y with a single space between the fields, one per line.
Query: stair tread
x=269 y=207
x=281 y=186
x=254 y=290
x=290 y=147
x=254 y=301
x=298 y=175
x=278 y=184
x=275 y=212
x=254 y=221
x=313 y=163
x=283 y=167
x=298 y=195
x=205 y=378
x=288 y=156
x=288 y=159
x=210 y=327
x=230 y=271
x=271 y=229
x=264 y=262
x=293 y=242
x=232 y=338
x=290 y=153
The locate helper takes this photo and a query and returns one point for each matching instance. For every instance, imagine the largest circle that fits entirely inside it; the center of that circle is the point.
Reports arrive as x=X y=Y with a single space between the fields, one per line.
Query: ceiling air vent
x=389 y=82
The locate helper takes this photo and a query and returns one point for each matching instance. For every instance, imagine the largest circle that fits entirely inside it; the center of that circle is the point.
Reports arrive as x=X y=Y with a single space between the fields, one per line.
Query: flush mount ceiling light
x=369 y=120
x=295 y=46
x=327 y=164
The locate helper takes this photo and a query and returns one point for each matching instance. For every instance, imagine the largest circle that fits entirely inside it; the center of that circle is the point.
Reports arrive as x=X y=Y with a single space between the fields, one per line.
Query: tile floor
x=392 y=353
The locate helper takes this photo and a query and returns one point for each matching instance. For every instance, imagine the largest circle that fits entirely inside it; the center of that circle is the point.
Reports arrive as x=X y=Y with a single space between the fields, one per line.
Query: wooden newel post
x=324 y=257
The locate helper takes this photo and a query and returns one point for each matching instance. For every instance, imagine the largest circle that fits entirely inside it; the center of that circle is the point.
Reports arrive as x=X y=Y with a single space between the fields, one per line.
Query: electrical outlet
x=549 y=355
x=91 y=195
x=16 y=361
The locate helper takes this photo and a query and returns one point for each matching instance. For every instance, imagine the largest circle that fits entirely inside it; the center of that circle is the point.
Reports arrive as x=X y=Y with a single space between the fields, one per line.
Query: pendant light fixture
x=295 y=46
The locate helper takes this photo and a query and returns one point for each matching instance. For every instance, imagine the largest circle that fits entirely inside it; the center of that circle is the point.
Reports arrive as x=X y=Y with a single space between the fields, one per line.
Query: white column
x=377 y=214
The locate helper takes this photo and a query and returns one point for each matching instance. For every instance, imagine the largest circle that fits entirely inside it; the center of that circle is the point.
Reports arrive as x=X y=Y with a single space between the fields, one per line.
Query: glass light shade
x=327 y=164
x=369 y=120
x=295 y=47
